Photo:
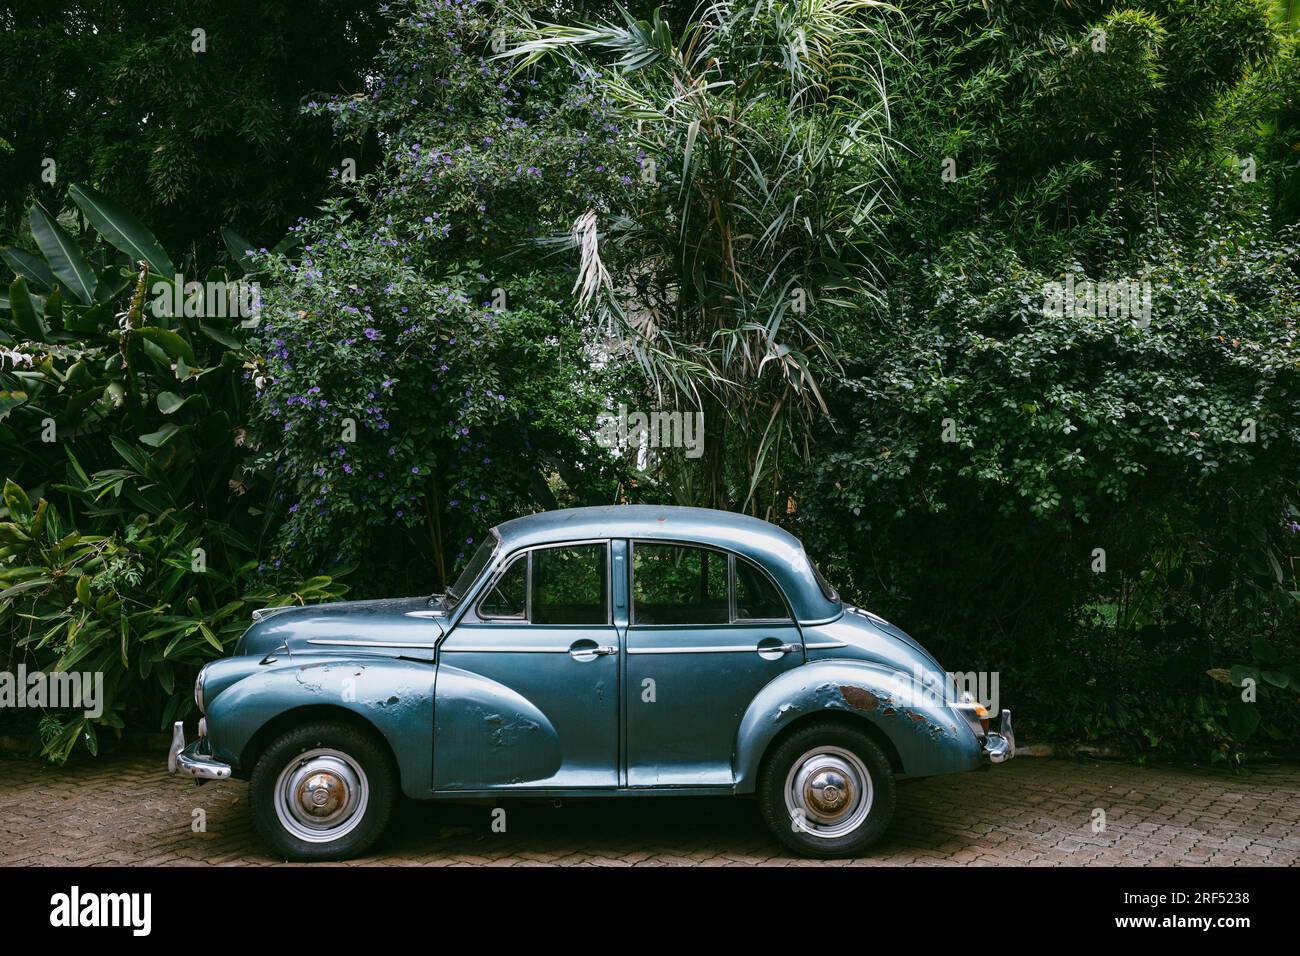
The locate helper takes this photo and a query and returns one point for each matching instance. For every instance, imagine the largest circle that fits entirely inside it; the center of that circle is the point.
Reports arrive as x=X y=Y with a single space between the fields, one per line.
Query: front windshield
x=472 y=570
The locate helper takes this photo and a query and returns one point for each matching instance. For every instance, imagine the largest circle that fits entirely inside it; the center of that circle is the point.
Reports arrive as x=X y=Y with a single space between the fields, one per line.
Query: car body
x=608 y=651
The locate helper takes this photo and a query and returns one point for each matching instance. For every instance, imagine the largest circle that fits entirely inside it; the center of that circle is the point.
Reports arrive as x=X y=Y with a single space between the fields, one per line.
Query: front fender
x=488 y=734
x=929 y=738
x=393 y=696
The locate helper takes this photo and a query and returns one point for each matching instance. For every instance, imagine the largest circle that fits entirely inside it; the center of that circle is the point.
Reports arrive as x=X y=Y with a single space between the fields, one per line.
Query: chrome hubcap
x=828 y=792
x=321 y=796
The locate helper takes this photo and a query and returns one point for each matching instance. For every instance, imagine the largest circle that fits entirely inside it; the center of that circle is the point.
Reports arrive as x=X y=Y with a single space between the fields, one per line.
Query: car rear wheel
x=322 y=791
x=827 y=790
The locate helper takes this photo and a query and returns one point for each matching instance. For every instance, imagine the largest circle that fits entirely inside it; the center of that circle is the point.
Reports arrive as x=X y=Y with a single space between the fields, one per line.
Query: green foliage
x=129 y=533
x=761 y=138
x=1051 y=131
x=1261 y=120
x=423 y=374
x=990 y=452
x=831 y=225
x=128 y=605
x=117 y=93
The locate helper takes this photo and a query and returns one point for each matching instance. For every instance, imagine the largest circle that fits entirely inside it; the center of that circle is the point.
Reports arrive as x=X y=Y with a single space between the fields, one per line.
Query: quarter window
x=756 y=597
x=509 y=599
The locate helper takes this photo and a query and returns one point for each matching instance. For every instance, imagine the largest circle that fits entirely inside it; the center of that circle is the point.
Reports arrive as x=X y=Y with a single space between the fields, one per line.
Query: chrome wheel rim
x=828 y=792
x=321 y=796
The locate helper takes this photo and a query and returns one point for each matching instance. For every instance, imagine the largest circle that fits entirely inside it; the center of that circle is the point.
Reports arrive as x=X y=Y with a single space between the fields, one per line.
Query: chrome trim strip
x=425 y=614
x=715 y=649
x=505 y=649
x=424 y=645
x=824 y=645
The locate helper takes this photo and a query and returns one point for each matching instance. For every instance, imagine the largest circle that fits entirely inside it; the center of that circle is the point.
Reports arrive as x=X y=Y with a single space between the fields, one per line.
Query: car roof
x=774 y=549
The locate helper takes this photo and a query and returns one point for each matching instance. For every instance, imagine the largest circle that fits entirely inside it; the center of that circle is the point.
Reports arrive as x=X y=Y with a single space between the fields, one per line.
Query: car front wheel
x=322 y=791
x=827 y=790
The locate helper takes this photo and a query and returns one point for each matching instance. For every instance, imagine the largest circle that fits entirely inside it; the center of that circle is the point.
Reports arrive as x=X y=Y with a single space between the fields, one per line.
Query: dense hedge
x=1102 y=508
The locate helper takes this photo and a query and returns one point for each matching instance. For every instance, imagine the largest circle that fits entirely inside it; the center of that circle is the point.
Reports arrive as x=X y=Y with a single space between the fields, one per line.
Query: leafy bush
x=188 y=131
x=424 y=377
x=990 y=452
x=132 y=549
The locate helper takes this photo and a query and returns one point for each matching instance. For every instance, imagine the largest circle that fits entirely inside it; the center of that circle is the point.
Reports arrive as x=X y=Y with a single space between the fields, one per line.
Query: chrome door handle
x=774 y=652
x=589 y=652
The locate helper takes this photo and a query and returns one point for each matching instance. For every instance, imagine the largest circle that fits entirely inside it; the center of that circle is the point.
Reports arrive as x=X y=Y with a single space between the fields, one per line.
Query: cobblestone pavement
x=126 y=810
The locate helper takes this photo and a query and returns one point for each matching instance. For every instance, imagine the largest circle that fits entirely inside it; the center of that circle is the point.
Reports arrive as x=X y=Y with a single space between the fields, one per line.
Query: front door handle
x=585 y=650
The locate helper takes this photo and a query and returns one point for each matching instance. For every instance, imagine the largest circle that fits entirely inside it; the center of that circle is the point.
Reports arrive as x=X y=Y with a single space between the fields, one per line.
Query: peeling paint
x=858 y=698
x=508 y=733
x=829 y=696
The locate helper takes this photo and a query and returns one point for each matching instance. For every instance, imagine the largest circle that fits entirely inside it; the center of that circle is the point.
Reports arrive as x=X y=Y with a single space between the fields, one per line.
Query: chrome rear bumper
x=1000 y=745
x=194 y=760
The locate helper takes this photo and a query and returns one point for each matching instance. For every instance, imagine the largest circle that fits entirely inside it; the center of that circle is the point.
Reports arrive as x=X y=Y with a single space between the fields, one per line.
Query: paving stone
x=1037 y=812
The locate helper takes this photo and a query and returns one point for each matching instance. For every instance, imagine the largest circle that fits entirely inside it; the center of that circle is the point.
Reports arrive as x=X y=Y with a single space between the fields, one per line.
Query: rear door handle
x=770 y=650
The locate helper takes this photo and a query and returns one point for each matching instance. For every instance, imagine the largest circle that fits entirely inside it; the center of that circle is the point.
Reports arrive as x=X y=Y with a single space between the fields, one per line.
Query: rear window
x=831 y=594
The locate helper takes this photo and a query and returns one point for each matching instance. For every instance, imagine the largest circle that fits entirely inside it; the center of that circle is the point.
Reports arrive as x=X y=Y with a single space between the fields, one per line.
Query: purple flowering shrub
x=474 y=161
x=408 y=415
x=421 y=375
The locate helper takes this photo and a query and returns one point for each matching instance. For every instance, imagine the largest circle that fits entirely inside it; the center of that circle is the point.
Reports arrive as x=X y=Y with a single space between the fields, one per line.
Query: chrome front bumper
x=1000 y=745
x=194 y=760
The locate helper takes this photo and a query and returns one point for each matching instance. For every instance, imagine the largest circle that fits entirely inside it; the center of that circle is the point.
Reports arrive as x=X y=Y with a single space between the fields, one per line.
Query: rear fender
x=928 y=737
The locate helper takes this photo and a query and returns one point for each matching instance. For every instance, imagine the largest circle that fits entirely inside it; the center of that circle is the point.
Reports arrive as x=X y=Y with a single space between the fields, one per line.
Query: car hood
x=413 y=621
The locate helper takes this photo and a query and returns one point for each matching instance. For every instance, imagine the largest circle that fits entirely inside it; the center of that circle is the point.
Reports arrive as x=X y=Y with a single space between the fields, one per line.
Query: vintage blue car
x=612 y=651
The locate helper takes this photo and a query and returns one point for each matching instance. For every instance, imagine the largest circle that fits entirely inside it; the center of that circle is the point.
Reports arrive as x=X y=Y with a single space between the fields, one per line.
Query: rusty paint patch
x=889 y=712
x=859 y=699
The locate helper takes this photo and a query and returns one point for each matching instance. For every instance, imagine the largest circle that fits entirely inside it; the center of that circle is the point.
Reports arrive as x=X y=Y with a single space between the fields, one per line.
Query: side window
x=756 y=597
x=569 y=585
x=679 y=584
x=509 y=599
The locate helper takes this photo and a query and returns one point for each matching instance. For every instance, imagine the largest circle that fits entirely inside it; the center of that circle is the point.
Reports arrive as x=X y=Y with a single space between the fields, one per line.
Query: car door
x=527 y=686
x=707 y=631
